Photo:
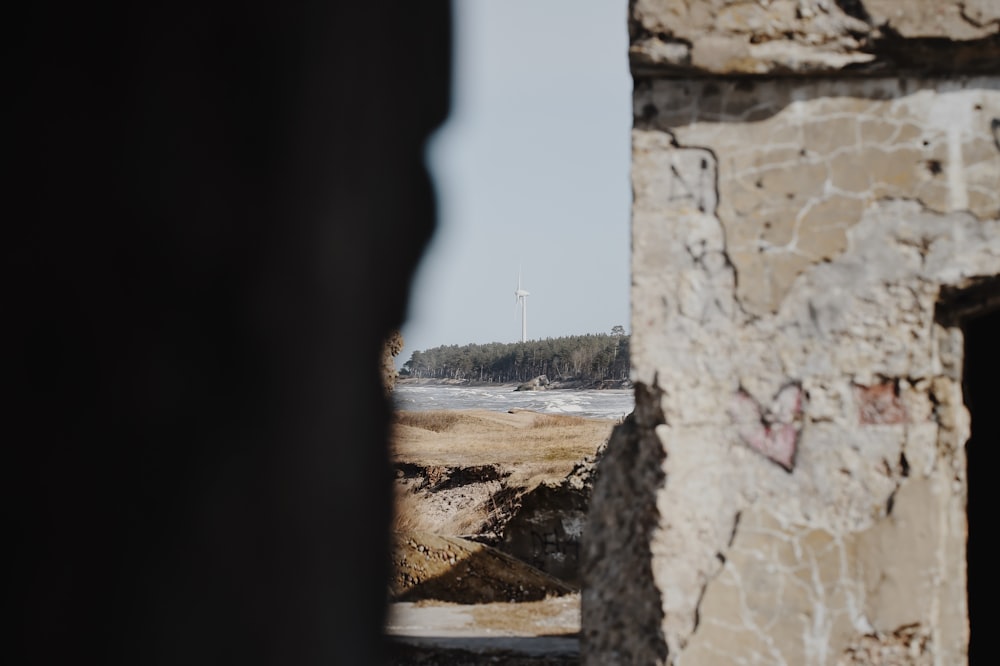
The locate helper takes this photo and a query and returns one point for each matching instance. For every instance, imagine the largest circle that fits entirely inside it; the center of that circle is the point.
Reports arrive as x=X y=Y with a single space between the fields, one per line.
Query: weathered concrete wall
x=791 y=240
x=792 y=166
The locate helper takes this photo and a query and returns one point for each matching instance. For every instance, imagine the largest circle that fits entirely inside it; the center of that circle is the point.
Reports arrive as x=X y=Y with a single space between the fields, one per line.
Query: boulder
x=539 y=383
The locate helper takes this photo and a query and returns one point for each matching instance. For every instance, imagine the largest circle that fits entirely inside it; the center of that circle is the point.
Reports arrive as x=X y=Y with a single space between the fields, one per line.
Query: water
x=601 y=404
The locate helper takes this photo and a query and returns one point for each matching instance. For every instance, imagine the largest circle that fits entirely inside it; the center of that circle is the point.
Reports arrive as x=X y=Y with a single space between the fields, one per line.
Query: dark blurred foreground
x=209 y=204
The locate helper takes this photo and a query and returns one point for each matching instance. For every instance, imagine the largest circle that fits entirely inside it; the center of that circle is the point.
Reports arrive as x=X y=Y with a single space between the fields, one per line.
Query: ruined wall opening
x=976 y=311
x=981 y=370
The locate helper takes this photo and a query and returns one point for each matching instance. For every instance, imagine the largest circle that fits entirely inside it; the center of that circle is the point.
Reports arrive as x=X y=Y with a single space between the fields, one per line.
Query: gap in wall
x=980 y=376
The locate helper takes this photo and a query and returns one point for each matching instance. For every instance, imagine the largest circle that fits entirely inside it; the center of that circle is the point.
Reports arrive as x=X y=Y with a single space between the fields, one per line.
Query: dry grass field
x=530 y=445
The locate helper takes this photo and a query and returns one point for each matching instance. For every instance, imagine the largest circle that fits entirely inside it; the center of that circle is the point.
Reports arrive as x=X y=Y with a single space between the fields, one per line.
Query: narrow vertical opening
x=980 y=375
x=976 y=310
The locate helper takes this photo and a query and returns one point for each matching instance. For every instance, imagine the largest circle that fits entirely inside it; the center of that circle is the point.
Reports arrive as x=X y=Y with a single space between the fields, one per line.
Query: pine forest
x=590 y=358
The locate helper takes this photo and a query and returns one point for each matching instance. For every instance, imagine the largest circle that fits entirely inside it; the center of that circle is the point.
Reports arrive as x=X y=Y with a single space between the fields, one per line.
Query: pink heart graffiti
x=772 y=431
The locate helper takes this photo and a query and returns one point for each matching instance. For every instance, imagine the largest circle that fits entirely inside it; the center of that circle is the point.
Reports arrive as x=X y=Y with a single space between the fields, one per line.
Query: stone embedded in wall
x=879 y=403
x=738 y=37
x=965 y=20
x=811 y=36
x=906 y=646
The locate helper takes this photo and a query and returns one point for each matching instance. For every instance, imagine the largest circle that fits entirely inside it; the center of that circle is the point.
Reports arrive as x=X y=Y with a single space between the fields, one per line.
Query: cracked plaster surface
x=796 y=595
x=799 y=163
x=715 y=317
x=784 y=596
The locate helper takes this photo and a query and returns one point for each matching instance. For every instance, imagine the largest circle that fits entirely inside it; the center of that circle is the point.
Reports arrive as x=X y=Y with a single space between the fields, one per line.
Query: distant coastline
x=553 y=384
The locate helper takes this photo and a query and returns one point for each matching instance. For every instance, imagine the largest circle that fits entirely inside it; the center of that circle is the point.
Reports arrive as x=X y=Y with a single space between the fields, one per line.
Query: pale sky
x=531 y=171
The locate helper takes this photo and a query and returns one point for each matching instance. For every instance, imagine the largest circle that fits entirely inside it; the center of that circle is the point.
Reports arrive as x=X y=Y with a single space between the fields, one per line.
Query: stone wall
x=812 y=181
x=812 y=37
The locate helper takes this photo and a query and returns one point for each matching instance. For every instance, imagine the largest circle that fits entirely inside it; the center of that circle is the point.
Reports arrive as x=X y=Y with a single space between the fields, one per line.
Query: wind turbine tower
x=521 y=298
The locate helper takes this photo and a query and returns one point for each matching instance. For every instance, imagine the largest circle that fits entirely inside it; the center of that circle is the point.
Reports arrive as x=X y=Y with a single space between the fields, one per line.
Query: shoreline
x=553 y=385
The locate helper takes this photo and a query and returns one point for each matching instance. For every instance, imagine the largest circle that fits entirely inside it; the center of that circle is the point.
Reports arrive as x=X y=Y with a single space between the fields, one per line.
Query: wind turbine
x=521 y=298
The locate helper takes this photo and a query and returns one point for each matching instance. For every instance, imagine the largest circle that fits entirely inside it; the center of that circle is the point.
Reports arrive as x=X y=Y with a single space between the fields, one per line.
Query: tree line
x=591 y=357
